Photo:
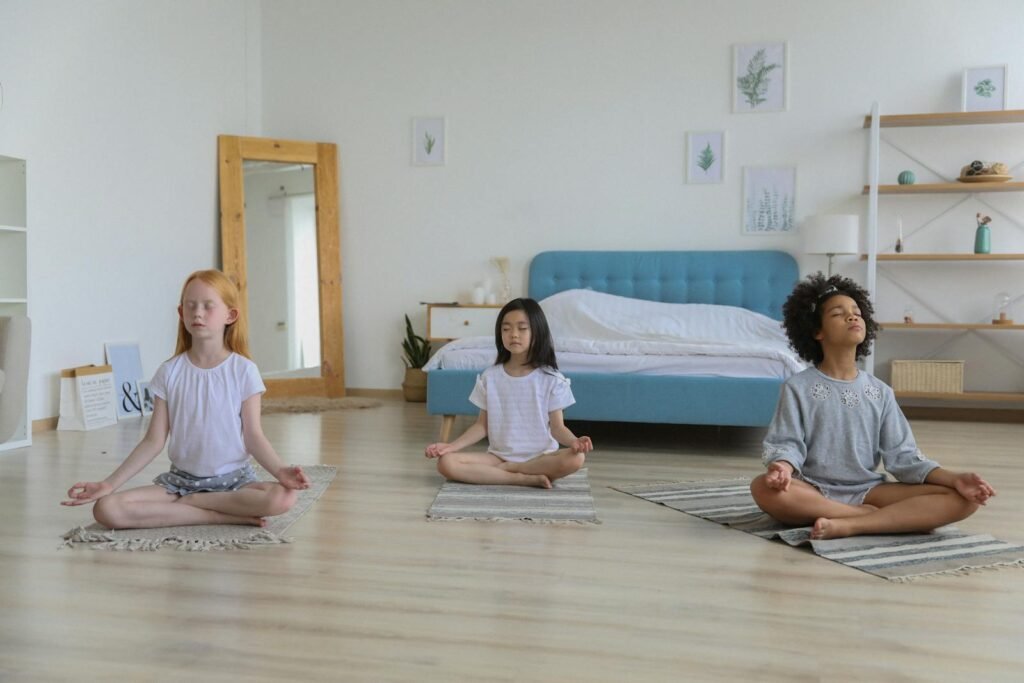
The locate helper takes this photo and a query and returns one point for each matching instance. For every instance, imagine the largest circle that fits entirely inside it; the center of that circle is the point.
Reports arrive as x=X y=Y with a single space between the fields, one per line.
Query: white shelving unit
x=875 y=121
x=14 y=262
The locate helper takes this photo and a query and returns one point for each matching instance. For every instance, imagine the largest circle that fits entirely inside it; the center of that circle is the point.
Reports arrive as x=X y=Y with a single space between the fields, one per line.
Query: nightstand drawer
x=454 y=322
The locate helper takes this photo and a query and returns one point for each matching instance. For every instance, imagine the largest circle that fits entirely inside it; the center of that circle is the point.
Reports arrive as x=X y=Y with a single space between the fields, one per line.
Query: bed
x=757 y=281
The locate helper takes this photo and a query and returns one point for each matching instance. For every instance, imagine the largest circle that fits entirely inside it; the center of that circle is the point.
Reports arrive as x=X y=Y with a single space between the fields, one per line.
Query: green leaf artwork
x=985 y=88
x=706 y=158
x=429 y=143
x=754 y=85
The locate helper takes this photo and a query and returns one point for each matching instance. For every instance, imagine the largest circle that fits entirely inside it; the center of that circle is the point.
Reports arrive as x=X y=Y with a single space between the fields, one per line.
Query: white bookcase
x=874 y=122
x=14 y=261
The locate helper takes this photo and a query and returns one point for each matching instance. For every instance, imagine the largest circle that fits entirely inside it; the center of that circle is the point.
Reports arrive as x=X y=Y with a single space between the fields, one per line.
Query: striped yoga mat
x=897 y=557
x=568 y=501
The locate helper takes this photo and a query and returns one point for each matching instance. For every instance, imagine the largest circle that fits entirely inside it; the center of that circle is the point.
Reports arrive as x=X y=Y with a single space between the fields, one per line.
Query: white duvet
x=587 y=324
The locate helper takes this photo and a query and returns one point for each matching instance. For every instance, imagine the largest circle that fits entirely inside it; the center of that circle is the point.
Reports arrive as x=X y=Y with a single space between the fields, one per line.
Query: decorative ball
x=977 y=166
x=999 y=168
x=906 y=178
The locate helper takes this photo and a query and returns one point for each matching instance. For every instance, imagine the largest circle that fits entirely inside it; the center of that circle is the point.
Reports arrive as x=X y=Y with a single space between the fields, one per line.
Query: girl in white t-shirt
x=207 y=400
x=521 y=398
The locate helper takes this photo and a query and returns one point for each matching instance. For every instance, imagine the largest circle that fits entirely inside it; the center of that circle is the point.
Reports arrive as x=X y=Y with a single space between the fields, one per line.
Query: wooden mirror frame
x=232 y=151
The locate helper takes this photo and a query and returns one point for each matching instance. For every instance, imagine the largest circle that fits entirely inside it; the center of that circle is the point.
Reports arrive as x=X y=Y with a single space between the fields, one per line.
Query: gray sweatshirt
x=835 y=433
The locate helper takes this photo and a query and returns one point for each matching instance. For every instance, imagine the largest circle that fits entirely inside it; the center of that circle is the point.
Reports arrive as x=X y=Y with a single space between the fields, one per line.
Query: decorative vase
x=414 y=388
x=983 y=240
x=906 y=178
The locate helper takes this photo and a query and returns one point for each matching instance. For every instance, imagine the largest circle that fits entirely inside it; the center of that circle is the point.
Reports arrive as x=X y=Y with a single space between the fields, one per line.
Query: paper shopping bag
x=87 y=398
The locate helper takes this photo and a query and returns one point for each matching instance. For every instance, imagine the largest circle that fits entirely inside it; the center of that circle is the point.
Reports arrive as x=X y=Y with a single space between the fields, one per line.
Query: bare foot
x=538 y=480
x=825 y=528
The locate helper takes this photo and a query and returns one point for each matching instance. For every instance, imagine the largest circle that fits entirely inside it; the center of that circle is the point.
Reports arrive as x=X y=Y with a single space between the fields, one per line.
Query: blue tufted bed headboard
x=756 y=280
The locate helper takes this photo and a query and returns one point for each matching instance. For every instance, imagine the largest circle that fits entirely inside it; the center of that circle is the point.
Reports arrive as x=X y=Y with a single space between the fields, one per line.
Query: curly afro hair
x=801 y=314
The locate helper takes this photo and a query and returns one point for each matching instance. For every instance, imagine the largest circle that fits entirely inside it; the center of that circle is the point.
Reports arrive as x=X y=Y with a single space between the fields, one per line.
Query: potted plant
x=417 y=353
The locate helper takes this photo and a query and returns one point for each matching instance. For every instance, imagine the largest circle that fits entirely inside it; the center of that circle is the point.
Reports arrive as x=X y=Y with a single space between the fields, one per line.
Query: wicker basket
x=929 y=376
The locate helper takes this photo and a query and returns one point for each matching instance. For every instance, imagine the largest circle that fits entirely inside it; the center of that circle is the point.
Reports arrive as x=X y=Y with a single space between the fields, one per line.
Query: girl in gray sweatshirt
x=835 y=424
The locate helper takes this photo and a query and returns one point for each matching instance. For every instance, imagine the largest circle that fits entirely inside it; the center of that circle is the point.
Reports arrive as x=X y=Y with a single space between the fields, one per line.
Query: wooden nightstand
x=454 y=321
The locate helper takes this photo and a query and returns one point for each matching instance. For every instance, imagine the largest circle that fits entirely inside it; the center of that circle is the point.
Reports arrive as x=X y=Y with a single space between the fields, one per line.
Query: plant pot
x=414 y=388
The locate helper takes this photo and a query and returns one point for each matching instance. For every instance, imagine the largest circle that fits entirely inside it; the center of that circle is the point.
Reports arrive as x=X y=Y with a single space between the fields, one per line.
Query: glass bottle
x=1001 y=309
x=899 y=234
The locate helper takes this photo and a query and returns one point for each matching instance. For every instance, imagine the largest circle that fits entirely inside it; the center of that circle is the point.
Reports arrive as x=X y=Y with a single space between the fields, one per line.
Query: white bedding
x=596 y=332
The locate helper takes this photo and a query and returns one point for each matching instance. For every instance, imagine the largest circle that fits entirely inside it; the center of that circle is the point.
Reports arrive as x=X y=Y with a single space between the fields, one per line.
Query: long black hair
x=542 y=350
x=802 y=314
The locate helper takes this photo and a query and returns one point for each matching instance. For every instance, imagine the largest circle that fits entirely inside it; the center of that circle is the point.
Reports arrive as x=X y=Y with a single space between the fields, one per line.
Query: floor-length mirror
x=280 y=242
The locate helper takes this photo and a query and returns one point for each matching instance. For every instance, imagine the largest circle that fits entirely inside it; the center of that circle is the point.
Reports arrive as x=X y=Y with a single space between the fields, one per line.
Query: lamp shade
x=832 y=234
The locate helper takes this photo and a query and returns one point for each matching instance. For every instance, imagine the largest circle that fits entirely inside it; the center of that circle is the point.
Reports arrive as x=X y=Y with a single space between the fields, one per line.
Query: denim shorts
x=183 y=483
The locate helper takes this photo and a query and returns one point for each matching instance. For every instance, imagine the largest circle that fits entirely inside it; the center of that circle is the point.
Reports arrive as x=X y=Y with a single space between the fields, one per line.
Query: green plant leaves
x=754 y=85
x=417 y=349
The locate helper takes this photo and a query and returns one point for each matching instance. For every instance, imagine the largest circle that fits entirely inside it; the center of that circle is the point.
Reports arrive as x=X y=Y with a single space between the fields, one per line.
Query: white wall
x=567 y=123
x=116 y=105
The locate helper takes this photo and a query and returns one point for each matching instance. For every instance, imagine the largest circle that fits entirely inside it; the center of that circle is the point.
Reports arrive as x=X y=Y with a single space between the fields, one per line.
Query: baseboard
x=963 y=414
x=374 y=393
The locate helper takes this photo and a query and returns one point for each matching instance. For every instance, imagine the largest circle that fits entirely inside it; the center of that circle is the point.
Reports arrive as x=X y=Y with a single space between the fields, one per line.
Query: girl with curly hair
x=835 y=424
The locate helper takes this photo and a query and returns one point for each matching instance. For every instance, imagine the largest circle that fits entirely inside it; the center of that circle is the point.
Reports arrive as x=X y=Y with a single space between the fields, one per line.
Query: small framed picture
x=769 y=199
x=428 y=141
x=705 y=156
x=127 y=364
x=146 y=398
x=760 y=77
x=984 y=88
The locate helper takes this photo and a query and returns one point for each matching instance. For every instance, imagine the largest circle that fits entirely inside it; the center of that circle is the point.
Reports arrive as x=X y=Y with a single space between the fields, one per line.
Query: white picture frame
x=983 y=88
x=769 y=200
x=429 y=141
x=760 y=80
x=705 y=156
x=127 y=363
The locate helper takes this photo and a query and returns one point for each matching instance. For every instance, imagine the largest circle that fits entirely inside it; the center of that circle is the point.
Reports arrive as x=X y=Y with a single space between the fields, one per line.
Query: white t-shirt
x=517 y=410
x=205 y=411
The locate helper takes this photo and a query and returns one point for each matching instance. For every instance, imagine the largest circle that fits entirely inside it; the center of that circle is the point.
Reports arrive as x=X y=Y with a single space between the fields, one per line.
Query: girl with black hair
x=521 y=398
x=834 y=425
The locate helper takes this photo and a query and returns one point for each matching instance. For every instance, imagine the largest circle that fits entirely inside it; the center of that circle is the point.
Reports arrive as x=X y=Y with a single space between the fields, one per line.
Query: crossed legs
x=484 y=468
x=152 y=506
x=887 y=508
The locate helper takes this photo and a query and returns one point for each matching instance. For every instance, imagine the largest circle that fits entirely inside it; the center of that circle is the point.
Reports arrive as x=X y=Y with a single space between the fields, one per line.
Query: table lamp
x=832 y=234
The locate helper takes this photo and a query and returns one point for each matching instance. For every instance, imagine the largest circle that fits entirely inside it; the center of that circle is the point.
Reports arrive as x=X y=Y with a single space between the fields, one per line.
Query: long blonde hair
x=236 y=334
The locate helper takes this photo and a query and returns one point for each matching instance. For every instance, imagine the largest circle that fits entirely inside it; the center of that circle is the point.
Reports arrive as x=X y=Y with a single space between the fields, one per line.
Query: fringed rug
x=896 y=557
x=316 y=404
x=209 y=536
x=568 y=501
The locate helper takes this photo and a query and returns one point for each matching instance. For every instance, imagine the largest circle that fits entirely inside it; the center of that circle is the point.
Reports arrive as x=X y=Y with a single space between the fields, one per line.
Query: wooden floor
x=370 y=591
